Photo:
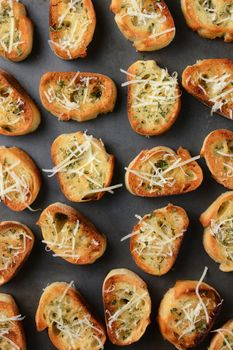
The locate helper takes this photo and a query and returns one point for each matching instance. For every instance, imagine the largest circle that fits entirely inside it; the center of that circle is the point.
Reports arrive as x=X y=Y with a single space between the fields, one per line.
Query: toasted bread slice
x=70 y=235
x=218 y=237
x=69 y=321
x=72 y=25
x=11 y=328
x=16 y=243
x=84 y=169
x=18 y=113
x=78 y=96
x=162 y=172
x=153 y=98
x=16 y=31
x=127 y=306
x=148 y=23
x=20 y=179
x=223 y=338
x=217 y=150
x=156 y=239
x=211 y=19
x=211 y=82
x=187 y=313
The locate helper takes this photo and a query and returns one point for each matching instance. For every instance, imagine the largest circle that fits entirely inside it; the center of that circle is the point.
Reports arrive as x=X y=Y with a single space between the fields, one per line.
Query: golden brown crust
x=98 y=95
x=223 y=335
x=71 y=23
x=147 y=34
x=89 y=243
x=217 y=151
x=208 y=79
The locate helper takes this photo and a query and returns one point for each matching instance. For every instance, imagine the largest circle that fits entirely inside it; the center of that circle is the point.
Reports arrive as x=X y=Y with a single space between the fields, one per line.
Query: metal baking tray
x=114 y=214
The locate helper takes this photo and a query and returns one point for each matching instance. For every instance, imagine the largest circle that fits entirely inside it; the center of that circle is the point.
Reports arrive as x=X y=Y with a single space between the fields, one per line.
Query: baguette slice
x=127 y=306
x=217 y=221
x=211 y=19
x=18 y=113
x=217 y=150
x=16 y=243
x=16 y=31
x=69 y=321
x=11 y=329
x=156 y=239
x=162 y=172
x=78 y=96
x=70 y=235
x=72 y=26
x=211 y=82
x=149 y=24
x=84 y=169
x=187 y=313
x=153 y=98
x=223 y=338
x=19 y=177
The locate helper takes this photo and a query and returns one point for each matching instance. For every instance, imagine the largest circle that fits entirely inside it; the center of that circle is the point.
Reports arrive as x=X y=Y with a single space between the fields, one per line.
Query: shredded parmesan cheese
x=6 y=327
x=227 y=336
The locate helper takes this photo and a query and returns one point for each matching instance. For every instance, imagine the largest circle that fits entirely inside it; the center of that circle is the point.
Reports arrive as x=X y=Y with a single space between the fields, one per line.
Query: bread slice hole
x=60 y=220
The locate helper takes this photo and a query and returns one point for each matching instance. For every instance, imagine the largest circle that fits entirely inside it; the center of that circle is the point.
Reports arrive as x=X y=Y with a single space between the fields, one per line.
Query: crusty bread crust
x=140 y=186
x=207 y=79
x=60 y=30
x=225 y=333
x=146 y=34
x=25 y=167
x=24 y=25
x=29 y=119
x=158 y=261
x=54 y=293
x=97 y=94
x=170 y=313
x=208 y=24
x=89 y=243
x=217 y=151
x=8 y=308
x=150 y=120
x=121 y=287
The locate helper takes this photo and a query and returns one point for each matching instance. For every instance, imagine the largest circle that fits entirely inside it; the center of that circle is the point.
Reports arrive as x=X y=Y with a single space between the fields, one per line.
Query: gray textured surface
x=114 y=215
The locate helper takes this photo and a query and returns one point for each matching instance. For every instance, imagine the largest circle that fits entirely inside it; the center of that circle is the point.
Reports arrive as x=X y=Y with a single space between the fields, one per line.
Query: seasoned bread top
x=211 y=81
x=223 y=338
x=127 y=306
x=70 y=324
x=161 y=172
x=11 y=329
x=210 y=18
x=16 y=31
x=217 y=150
x=20 y=179
x=148 y=23
x=78 y=96
x=72 y=25
x=153 y=98
x=70 y=235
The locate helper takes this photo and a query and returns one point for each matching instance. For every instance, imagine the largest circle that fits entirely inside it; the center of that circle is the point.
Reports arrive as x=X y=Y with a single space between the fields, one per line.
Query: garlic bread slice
x=20 y=179
x=162 y=172
x=18 y=113
x=70 y=235
x=217 y=221
x=210 y=18
x=16 y=243
x=156 y=239
x=153 y=98
x=147 y=23
x=77 y=96
x=16 y=31
x=11 y=328
x=187 y=313
x=127 y=306
x=211 y=82
x=217 y=150
x=223 y=338
x=69 y=321
x=72 y=25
